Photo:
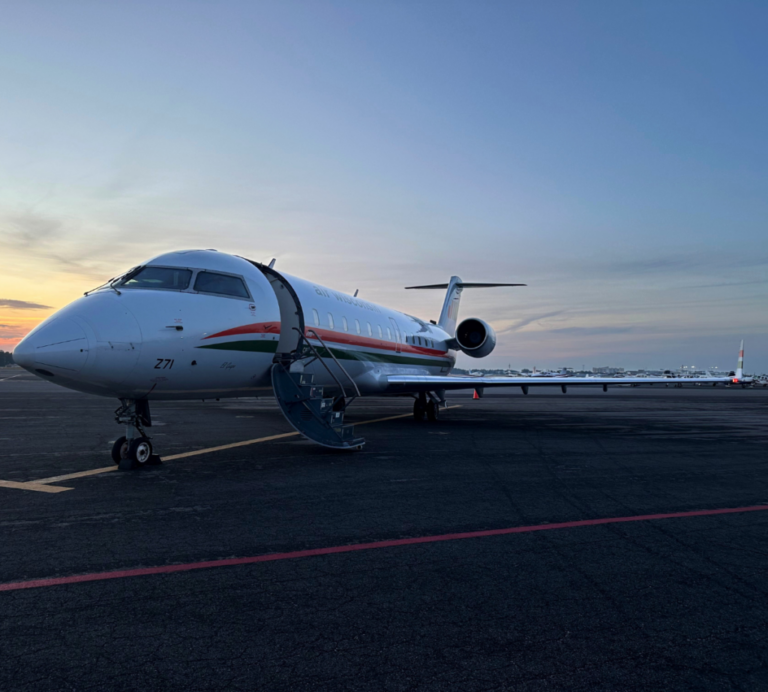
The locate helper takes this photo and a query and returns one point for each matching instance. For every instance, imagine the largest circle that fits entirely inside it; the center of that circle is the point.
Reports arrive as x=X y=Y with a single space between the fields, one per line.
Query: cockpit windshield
x=221 y=284
x=168 y=278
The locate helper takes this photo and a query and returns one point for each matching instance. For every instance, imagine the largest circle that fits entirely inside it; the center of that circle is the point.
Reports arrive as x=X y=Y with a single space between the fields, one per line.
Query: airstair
x=303 y=403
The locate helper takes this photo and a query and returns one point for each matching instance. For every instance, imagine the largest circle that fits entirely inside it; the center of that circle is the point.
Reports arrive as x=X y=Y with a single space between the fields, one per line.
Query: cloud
x=728 y=284
x=82 y=247
x=652 y=265
x=9 y=332
x=591 y=331
x=519 y=324
x=22 y=305
x=29 y=230
x=670 y=263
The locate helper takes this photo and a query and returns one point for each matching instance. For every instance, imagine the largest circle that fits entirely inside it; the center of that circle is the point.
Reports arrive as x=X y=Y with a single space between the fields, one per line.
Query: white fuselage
x=160 y=343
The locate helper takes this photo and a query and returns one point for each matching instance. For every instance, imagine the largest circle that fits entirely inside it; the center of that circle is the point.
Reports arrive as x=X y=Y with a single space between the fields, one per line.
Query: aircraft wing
x=431 y=383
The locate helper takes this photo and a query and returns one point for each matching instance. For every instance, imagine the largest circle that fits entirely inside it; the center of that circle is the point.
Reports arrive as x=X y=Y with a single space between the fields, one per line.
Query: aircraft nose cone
x=24 y=354
x=59 y=345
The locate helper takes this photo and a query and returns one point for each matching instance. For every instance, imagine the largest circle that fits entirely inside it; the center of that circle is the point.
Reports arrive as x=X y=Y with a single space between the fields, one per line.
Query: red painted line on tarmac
x=169 y=569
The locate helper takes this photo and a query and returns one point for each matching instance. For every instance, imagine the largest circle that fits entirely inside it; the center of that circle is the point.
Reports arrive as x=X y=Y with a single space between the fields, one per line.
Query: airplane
x=549 y=373
x=202 y=324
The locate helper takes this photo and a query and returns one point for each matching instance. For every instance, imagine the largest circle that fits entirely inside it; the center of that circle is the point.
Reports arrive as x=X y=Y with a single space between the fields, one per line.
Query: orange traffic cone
x=475 y=395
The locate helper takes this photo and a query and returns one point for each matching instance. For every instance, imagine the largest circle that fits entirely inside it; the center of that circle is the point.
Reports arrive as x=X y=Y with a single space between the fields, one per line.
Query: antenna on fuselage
x=272 y=263
x=357 y=290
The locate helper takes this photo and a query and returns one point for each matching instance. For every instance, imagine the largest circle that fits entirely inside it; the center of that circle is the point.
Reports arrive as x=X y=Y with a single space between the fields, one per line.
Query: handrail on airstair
x=335 y=360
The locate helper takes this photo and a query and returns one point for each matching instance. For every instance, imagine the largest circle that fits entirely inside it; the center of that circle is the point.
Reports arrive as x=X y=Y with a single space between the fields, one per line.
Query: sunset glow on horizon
x=611 y=156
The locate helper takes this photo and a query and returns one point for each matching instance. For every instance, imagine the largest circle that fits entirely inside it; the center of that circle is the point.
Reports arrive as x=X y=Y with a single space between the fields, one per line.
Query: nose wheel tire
x=120 y=449
x=433 y=411
x=140 y=450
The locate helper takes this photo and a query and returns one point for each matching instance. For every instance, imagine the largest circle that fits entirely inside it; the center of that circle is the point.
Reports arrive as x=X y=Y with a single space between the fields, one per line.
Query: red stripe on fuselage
x=257 y=328
x=383 y=344
x=332 y=337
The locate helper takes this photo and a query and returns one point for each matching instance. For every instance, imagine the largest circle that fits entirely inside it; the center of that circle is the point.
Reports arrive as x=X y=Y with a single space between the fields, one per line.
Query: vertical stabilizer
x=740 y=364
x=449 y=315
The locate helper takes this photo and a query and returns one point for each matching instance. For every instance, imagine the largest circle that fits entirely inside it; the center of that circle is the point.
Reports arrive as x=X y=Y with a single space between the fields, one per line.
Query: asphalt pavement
x=390 y=568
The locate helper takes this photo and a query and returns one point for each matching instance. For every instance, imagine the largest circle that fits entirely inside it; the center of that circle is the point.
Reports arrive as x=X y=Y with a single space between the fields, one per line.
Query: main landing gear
x=426 y=407
x=133 y=449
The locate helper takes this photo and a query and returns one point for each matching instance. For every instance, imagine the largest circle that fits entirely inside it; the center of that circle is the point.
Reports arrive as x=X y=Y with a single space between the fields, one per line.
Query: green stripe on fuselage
x=342 y=354
x=254 y=346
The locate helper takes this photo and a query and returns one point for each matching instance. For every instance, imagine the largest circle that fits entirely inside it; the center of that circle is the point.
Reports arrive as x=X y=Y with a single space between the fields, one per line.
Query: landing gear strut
x=426 y=407
x=134 y=448
x=420 y=407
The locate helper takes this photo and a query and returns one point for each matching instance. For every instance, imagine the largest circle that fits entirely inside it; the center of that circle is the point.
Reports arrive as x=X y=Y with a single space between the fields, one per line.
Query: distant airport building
x=607 y=371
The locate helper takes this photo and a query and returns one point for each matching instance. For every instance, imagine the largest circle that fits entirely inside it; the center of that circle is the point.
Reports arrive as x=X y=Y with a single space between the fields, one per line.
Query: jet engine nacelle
x=475 y=337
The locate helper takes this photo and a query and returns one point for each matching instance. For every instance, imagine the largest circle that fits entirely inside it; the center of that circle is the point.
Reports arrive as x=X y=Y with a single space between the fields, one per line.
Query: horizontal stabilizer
x=463 y=285
x=450 y=312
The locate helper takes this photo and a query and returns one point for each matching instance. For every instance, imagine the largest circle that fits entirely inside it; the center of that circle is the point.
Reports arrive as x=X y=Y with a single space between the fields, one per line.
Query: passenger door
x=398 y=338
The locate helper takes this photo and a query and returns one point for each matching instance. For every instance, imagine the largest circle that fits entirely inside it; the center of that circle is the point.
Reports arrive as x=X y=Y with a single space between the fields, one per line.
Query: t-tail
x=739 y=375
x=449 y=315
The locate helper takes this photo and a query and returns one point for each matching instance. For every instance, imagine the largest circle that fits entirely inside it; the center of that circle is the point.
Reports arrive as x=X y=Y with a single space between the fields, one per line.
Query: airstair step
x=314 y=392
x=337 y=418
x=323 y=406
x=311 y=413
x=348 y=433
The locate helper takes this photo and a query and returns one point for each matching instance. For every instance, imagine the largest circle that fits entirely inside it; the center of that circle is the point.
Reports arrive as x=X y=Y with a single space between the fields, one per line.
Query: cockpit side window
x=221 y=284
x=168 y=278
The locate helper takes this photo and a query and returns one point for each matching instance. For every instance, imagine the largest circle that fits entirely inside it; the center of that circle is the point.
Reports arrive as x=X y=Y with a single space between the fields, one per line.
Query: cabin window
x=381 y=335
x=330 y=320
x=221 y=285
x=316 y=317
x=389 y=334
x=357 y=326
x=167 y=278
x=370 y=330
x=344 y=323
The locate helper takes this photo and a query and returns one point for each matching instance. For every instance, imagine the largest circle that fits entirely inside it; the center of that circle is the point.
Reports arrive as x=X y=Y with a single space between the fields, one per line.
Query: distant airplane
x=201 y=324
x=549 y=373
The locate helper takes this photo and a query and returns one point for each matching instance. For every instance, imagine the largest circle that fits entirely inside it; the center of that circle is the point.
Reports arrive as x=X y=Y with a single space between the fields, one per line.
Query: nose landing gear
x=133 y=449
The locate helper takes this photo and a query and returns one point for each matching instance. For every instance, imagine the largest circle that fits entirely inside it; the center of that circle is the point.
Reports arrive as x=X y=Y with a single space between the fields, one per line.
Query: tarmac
x=541 y=542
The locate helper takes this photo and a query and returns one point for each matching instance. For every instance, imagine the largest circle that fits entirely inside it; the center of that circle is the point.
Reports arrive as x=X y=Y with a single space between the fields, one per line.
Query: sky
x=611 y=155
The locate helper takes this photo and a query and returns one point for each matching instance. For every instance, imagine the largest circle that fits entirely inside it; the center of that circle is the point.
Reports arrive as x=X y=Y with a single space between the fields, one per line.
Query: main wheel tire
x=433 y=411
x=120 y=449
x=418 y=410
x=140 y=450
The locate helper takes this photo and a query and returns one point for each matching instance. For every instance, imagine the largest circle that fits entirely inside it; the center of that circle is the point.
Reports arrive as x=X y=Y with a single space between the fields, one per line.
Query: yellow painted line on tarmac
x=195 y=452
x=79 y=474
x=245 y=443
x=33 y=485
x=402 y=415
x=233 y=445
